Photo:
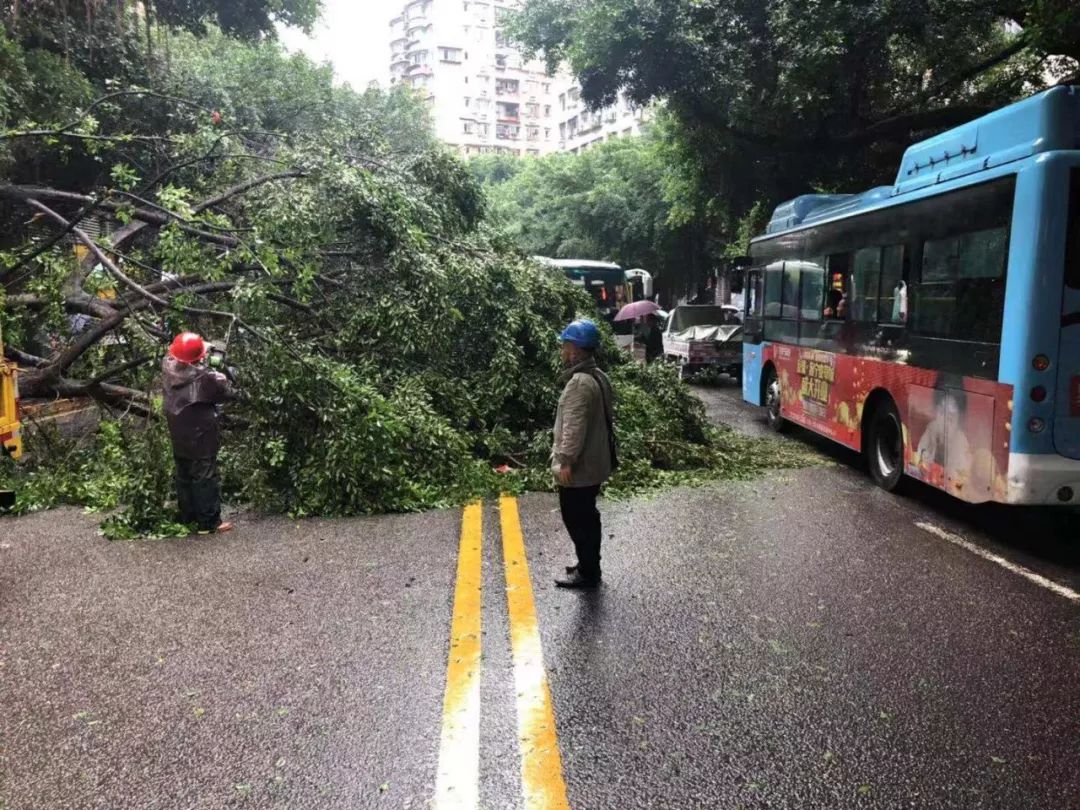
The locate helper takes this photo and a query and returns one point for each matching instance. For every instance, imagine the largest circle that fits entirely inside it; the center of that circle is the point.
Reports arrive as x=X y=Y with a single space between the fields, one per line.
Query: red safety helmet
x=188 y=347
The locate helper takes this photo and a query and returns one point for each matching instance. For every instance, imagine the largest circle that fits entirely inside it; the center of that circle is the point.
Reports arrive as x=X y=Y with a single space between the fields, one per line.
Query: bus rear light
x=1041 y=362
x=1036 y=425
x=1038 y=394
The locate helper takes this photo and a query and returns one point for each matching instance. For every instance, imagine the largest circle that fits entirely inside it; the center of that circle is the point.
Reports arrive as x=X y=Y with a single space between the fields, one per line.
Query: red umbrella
x=638 y=309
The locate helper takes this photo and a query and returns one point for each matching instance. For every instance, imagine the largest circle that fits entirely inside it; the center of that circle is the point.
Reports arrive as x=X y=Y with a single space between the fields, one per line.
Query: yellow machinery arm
x=10 y=433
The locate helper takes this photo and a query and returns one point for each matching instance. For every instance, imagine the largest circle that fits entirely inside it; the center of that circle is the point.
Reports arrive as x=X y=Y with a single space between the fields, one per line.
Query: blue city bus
x=934 y=324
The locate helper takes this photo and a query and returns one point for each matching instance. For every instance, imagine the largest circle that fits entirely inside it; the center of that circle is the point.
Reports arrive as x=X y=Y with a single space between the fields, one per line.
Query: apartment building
x=485 y=98
x=581 y=128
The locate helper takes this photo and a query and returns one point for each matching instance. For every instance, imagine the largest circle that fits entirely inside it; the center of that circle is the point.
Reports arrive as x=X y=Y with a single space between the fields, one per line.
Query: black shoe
x=577 y=581
x=571 y=569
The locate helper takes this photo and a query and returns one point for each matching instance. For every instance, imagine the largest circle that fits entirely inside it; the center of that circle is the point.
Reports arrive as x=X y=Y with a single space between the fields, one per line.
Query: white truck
x=700 y=337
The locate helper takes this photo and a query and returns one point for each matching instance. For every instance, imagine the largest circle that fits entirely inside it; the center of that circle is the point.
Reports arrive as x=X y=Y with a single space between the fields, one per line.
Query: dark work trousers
x=582 y=521
x=198 y=491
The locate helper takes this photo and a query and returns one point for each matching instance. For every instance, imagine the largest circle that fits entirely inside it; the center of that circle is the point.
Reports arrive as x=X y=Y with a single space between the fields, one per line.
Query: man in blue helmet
x=583 y=454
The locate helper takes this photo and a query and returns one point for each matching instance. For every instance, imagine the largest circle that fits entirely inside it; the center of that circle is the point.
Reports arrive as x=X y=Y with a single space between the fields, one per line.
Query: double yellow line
x=457 y=784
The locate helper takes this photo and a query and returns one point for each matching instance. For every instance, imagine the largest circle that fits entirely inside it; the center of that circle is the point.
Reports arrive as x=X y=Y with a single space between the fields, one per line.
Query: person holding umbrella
x=650 y=332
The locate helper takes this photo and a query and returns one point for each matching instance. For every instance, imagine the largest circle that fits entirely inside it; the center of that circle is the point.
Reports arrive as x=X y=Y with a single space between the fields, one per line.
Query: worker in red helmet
x=193 y=394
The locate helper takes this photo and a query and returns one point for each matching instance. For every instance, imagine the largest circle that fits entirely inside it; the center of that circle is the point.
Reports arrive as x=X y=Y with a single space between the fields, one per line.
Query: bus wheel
x=772 y=402
x=885 y=447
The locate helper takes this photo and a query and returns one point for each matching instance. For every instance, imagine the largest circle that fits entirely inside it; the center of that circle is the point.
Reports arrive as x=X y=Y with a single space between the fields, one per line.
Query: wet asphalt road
x=797 y=641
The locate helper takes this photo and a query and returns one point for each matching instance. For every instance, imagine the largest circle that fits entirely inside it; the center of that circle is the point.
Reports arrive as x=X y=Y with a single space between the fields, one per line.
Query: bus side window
x=961 y=287
x=791 y=291
x=892 y=303
x=774 y=278
x=752 y=294
x=813 y=289
x=839 y=272
x=1072 y=245
x=865 y=272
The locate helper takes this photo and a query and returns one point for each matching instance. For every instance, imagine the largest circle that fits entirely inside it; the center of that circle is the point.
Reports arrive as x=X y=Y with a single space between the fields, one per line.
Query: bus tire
x=884 y=447
x=771 y=397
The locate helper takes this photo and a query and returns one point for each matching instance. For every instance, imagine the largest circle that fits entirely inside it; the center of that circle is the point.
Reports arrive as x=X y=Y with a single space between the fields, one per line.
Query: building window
x=500 y=61
x=547 y=111
x=468 y=127
x=450 y=55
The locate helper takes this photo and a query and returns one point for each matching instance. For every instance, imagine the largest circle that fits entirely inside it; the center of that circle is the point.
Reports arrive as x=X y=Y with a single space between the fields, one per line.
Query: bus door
x=1067 y=411
x=753 y=332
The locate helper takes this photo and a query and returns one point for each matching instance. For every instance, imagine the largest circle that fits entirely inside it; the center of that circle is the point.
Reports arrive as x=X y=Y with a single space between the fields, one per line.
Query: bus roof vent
x=794 y=212
x=849 y=205
x=1043 y=123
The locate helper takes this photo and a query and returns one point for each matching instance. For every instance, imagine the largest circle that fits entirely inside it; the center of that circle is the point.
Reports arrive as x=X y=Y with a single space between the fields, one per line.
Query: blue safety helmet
x=582 y=333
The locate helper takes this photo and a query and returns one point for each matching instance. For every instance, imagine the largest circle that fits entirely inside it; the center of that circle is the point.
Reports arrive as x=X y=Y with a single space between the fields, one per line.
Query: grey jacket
x=581 y=432
x=192 y=394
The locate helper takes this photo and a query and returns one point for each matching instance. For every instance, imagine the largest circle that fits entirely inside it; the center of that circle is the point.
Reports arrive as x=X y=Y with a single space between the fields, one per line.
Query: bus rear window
x=1072 y=246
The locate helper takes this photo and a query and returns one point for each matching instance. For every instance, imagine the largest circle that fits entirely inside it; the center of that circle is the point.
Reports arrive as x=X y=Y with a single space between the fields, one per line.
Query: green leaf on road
x=864 y=790
x=243 y=788
x=778 y=647
x=998 y=760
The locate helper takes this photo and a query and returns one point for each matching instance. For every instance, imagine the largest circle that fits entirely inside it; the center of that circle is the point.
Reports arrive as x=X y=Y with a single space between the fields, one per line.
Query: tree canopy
x=619 y=201
x=774 y=99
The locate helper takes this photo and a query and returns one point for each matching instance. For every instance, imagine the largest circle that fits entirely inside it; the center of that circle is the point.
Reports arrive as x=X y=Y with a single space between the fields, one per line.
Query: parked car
x=700 y=337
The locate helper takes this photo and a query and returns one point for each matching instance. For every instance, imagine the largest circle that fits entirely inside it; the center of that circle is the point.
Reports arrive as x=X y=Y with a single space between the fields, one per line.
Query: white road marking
x=1026 y=573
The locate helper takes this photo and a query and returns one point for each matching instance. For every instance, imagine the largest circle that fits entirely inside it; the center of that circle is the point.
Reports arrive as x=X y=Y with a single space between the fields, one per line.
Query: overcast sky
x=353 y=35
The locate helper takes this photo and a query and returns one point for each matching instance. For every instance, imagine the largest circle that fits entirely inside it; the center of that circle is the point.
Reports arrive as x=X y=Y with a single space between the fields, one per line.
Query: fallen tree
x=394 y=353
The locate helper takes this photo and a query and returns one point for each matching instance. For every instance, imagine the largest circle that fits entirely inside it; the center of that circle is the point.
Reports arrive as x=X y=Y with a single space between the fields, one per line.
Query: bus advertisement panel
x=934 y=325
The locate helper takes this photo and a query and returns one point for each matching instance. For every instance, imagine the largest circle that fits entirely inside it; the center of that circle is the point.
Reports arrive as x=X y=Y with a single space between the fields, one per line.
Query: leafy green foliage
x=393 y=350
x=616 y=201
x=775 y=99
x=123 y=465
